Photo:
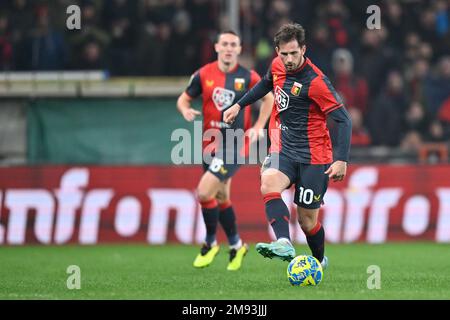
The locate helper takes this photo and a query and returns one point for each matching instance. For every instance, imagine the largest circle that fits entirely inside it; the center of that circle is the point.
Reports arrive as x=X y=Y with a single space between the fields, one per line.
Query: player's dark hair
x=227 y=32
x=289 y=32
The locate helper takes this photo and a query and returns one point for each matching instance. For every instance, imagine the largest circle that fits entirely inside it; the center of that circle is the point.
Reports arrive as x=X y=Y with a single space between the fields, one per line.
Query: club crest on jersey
x=281 y=99
x=296 y=88
x=239 y=84
x=222 y=98
x=209 y=83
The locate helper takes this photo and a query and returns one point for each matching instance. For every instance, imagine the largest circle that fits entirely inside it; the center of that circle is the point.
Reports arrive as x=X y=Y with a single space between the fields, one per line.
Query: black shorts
x=221 y=170
x=310 y=180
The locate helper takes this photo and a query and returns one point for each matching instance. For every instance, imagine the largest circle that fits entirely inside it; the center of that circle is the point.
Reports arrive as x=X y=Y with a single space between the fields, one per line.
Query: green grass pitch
x=408 y=271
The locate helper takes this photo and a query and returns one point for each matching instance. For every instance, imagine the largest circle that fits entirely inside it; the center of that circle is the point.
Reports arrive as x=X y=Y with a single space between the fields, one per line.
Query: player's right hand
x=337 y=170
x=231 y=113
x=190 y=114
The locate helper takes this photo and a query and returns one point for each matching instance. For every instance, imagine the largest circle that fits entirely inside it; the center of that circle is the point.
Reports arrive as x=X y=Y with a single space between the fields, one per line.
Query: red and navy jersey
x=298 y=126
x=220 y=91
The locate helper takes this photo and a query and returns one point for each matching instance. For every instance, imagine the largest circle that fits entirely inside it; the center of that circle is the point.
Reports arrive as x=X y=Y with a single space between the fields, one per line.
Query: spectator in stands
x=89 y=43
x=205 y=16
x=427 y=27
x=20 y=20
x=153 y=49
x=320 y=48
x=91 y=57
x=123 y=37
x=416 y=127
x=416 y=123
x=44 y=48
x=360 y=135
x=385 y=117
x=437 y=86
x=444 y=115
x=411 y=47
x=377 y=59
x=353 y=89
x=338 y=21
x=436 y=132
x=411 y=142
x=395 y=22
x=442 y=16
x=90 y=30
x=116 y=10
x=416 y=78
x=181 y=40
x=416 y=119
x=6 y=45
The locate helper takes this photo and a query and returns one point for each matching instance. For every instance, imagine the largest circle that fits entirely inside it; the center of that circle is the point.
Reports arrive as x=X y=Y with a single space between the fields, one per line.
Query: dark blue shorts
x=310 y=181
x=221 y=170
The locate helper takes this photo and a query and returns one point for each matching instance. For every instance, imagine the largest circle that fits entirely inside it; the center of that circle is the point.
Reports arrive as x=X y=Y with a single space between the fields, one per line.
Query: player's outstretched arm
x=263 y=87
x=184 y=106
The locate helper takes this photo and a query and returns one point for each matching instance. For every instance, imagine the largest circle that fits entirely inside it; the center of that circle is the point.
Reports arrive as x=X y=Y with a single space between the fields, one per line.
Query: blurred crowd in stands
x=394 y=80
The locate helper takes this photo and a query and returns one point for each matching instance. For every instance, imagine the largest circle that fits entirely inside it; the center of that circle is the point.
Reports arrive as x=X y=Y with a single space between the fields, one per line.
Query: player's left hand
x=231 y=113
x=337 y=170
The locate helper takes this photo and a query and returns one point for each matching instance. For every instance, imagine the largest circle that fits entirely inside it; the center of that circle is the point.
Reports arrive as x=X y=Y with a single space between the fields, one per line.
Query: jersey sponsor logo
x=296 y=88
x=222 y=98
x=219 y=124
x=209 y=83
x=239 y=84
x=281 y=99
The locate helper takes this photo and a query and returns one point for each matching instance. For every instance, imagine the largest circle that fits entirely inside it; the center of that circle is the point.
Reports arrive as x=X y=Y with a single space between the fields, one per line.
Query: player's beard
x=291 y=66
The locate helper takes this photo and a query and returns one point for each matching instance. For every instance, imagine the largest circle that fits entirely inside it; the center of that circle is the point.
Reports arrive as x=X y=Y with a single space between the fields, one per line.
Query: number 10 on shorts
x=305 y=196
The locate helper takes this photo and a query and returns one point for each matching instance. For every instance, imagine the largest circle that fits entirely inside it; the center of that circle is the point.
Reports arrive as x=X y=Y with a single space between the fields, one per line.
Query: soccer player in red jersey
x=301 y=152
x=221 y=84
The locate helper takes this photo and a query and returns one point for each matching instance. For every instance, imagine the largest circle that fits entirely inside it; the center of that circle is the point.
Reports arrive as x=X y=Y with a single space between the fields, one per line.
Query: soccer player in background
x=301 y=151
x=221 y=84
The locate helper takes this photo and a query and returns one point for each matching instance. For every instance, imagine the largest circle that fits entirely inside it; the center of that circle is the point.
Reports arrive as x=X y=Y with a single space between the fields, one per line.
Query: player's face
x=228 y=48
x=291 y=54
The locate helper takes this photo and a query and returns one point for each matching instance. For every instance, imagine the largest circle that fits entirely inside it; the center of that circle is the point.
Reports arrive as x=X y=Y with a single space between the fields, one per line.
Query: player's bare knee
x=268 y=186
x=203 y=195
x=306 y=226
x=306 y=223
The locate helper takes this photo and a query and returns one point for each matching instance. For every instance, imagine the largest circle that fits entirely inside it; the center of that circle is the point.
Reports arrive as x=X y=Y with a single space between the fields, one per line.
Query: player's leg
x=315 y=234
x=273 y=182
x=207 y=189
x=309 y=193
x=227 y=219
x=275 y=179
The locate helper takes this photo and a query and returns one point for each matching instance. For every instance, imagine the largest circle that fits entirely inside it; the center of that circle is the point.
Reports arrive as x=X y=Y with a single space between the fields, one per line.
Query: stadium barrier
x=157 y=205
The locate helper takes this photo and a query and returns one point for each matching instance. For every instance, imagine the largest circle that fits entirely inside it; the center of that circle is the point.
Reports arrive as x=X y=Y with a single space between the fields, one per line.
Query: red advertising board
x=157 y=204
